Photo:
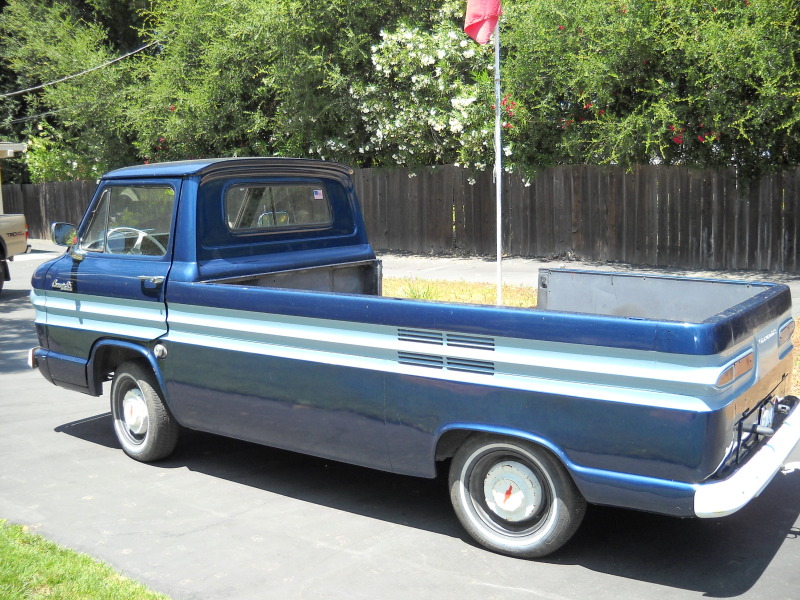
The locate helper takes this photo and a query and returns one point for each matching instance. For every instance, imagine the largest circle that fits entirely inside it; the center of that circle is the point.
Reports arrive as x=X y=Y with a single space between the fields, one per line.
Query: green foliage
x=195 y=93
x=379 y=83
x=666 y=81
x=51 y=157
x=47 y=41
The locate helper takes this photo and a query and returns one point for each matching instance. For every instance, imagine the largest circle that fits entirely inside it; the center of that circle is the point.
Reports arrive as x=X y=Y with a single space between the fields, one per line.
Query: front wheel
x=145 y=428
x=514 y=497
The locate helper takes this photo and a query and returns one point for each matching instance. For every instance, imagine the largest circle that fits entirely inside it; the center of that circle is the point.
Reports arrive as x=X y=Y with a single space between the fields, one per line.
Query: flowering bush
x=429 y=97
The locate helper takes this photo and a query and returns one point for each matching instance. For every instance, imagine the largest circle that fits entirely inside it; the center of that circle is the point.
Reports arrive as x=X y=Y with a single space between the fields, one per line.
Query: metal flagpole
x=480 y=16
x=498 y=160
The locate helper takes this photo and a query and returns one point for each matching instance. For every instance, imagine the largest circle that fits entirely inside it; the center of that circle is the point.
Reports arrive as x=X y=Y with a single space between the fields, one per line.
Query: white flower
x=462 y=103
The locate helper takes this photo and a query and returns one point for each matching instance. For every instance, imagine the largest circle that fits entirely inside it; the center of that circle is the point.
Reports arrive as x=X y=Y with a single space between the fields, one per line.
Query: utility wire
x=68 y=77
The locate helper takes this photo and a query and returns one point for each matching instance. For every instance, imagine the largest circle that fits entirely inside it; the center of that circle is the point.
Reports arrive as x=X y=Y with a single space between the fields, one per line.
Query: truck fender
x=108 y=354
x=450 y=437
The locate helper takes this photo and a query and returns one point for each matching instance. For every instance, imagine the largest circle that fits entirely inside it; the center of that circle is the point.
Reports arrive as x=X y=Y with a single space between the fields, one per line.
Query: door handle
x=151 y=282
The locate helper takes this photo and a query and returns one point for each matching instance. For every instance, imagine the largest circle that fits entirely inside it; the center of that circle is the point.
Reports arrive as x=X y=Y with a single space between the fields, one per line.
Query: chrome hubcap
x=134 y=411
x=512 y=491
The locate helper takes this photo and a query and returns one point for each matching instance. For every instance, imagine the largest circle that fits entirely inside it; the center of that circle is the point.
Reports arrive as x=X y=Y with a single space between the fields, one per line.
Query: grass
x=32 y=568
x=458 y=291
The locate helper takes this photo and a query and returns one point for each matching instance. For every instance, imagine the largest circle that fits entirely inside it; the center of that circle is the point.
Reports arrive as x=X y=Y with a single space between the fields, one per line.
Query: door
x=111 y=283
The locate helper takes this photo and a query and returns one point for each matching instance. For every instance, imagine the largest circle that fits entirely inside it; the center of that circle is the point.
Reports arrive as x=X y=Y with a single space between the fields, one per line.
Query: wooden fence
x=648 y=215
x=47 y=202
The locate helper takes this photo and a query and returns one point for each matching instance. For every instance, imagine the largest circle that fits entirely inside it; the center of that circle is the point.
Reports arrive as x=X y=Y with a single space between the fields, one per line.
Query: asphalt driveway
x=223 y=519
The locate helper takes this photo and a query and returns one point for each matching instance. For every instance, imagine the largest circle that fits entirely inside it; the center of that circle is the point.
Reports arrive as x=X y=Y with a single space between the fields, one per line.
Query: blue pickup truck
x=241 y=297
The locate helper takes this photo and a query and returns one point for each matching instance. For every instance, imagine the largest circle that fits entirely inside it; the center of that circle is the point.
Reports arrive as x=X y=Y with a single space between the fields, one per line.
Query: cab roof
x=204 y=166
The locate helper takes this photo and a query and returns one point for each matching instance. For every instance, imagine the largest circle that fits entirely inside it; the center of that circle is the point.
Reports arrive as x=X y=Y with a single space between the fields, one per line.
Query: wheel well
x=452 y=440
x=107 y=359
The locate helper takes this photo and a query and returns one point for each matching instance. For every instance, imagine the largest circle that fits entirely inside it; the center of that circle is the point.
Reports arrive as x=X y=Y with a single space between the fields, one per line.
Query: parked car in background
x=13 y=241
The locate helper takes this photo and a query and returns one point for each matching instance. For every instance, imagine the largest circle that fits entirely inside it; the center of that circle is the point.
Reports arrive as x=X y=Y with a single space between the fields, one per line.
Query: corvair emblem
x=768 y=337
x=64 y=286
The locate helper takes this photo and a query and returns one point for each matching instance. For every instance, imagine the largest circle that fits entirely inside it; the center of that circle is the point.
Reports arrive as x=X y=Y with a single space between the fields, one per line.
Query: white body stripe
x=615 y=375
x=122 y=317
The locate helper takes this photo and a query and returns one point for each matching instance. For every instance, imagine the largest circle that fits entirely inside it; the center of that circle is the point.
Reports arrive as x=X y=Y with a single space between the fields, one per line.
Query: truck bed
x=359 y=277
x=643 y=312
x=637 y=296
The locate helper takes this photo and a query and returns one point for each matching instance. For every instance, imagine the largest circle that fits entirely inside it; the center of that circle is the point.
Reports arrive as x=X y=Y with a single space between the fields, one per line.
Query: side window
x=276 y=206
x=131 y=220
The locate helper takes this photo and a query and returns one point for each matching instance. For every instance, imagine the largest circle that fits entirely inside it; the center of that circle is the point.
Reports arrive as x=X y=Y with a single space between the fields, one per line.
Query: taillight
x=736 y=370
x=785 y=333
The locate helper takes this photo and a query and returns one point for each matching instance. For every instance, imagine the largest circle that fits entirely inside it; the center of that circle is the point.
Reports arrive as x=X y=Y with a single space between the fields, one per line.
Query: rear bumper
x=720 y=498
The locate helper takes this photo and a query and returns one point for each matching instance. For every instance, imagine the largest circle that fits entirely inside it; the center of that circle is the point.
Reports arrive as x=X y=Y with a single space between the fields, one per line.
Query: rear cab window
x=264 y=207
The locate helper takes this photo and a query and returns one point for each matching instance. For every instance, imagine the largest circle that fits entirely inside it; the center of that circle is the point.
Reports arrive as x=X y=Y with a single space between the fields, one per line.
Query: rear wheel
x=145 y=428
x=514 y=497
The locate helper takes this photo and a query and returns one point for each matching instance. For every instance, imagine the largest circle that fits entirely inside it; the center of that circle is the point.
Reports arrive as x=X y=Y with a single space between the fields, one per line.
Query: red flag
x=481 y=19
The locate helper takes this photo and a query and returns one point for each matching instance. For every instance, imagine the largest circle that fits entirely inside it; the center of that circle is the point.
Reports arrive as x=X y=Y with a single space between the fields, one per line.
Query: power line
x=68 y=77
x=35 y=117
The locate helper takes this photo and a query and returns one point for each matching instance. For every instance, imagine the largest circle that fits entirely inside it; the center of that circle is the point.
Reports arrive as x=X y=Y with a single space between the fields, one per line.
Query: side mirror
x=64 y=234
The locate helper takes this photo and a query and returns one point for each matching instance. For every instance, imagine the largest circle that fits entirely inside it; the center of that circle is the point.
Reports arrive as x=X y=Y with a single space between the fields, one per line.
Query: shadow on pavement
x=17 y=335
x=720 y=558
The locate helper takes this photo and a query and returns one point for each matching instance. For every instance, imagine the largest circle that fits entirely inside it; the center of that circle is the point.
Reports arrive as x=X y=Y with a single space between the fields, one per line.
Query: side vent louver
x=470 y=341
x=482 y=367
x=419 y=336
x=453 y=340
x=420 y=360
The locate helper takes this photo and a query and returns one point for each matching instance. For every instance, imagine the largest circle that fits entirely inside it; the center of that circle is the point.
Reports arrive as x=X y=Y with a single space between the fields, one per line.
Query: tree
x=77 y=123
x=258 y=76
x=374 y=83
x=666 y=81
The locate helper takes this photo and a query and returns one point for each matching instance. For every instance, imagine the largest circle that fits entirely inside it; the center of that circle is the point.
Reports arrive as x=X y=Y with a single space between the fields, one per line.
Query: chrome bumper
x=721 y=498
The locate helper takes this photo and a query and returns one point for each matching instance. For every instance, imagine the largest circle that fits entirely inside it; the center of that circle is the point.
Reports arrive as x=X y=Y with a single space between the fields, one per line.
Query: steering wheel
x=141 y=236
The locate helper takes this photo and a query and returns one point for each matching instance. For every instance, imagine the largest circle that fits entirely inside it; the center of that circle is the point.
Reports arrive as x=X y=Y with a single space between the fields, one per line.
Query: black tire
x=145 y=428
x=542 y=506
